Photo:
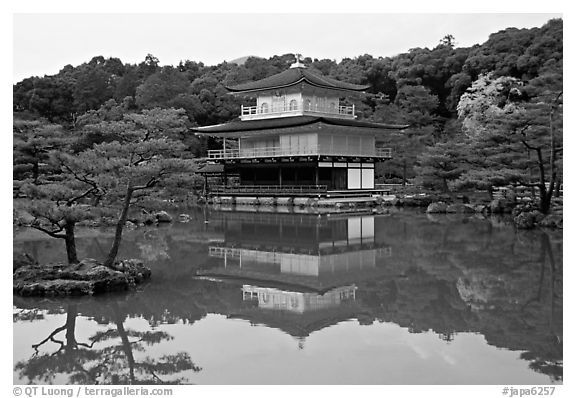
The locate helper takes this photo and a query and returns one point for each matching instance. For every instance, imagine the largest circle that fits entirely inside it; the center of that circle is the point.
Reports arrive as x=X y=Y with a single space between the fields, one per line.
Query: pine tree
x=514 y=132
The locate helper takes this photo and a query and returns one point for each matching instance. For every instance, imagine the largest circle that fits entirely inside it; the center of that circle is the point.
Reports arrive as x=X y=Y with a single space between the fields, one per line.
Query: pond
x=267 y=298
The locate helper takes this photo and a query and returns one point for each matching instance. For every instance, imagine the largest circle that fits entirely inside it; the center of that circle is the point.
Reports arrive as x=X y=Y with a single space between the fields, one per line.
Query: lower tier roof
x=239 y=126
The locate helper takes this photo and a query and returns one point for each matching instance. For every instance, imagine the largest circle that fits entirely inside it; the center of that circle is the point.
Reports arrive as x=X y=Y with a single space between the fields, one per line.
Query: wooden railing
x=300 y=108
x=277 y=151
x=262 y=190
x=272 y=218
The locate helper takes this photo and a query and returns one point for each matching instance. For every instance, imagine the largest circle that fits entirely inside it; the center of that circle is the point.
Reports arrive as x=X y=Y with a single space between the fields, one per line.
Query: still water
x=256 y=298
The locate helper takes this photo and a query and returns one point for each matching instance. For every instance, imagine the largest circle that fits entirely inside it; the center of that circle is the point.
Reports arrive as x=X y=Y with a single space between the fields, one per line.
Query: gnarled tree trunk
x=119 y=228
x=70 y=240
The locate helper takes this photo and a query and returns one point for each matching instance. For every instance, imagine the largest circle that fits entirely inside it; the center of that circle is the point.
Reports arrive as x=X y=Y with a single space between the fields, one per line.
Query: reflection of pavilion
x=276 y=299
x=298 y=271
x=319 y=253
x=295 y=312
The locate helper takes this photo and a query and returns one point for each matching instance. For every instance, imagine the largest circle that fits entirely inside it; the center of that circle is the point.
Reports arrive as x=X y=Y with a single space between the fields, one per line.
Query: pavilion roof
x=239 y=126
x=292 y=77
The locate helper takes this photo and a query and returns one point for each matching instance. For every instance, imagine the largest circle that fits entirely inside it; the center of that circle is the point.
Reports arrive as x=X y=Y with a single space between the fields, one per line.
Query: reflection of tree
x=508 y=284
x=72 y=357
x=548 y=358
x=124 y=368
x=27 y=315
x=448 y=276
x=109 y=358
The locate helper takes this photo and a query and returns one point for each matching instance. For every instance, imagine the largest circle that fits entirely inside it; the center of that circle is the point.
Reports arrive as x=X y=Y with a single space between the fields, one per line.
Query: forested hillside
x=516 y=78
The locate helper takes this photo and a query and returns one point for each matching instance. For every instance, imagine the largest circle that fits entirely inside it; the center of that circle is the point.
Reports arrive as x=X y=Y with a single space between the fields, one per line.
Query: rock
x=436 y=207
x=433 y=217
x=130 y=225
x=56 y=287
x=84 y=265
x=163 y=216
x=87 y=277
x=148 y=219
x=135 y=270
x=460 y=208
x=184 y=218
x=22 y=260
x=421 y=200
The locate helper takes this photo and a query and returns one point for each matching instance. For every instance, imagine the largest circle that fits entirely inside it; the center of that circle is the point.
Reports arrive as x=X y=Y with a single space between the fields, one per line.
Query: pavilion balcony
x=271 y=152
x=270 y=189
x=298 y=109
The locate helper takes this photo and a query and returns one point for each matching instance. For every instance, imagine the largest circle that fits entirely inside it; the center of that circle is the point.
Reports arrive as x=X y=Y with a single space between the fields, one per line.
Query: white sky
x=44 y=43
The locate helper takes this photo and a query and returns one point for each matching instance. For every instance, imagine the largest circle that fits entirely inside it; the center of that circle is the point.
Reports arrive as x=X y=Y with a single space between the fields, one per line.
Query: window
x=264 y=107
x=308 y=105
x=332 y=107
x=293 y=105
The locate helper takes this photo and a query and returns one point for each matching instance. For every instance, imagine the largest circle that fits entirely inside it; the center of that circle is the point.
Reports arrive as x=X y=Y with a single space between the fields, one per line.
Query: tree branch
x=530 y=147
x=77 y=198
x=53 y=234
x=153 y=181
x=142 y=159
x=85 y=345
x=83 y=179
x=54 y=333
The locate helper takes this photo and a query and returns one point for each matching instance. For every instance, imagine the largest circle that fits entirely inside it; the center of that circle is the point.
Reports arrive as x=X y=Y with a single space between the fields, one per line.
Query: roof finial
x=298 y=64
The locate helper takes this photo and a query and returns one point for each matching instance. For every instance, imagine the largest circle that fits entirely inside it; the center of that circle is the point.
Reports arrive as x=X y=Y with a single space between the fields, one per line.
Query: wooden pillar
x=279 y=175
x=333 y=177
x=317 y=175
x=205 y=183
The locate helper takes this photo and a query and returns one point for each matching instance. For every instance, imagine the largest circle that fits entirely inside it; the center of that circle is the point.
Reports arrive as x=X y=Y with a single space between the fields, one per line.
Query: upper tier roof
x=294 y=76
x=285 y=122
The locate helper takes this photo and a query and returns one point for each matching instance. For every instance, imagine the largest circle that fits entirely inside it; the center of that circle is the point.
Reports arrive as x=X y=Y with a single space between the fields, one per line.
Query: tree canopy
x=422 y=87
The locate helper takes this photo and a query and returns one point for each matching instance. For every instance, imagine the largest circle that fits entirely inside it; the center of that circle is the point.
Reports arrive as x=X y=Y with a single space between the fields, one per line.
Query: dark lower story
x=327 y=175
